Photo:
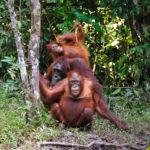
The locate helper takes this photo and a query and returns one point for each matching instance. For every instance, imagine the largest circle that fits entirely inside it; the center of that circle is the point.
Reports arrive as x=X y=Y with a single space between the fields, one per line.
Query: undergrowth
x=15 y=132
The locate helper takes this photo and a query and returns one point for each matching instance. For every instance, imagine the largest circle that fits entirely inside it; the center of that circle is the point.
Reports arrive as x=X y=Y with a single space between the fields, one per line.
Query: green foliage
x=12 y=122
x=14 y=67
x=7 y=42
x=51 y=1
x=109 y=29
x=116 y=92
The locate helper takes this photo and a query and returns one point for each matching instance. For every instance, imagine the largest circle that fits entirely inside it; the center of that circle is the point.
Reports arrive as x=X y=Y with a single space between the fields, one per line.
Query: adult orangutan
x=69 y=45
x=56 y=72
x=99 y=103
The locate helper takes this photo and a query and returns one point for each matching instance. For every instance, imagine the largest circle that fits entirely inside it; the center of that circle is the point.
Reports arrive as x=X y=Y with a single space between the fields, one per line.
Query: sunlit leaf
x=19 y=24
x=97 y=27
x=137 y=93
x=51 y=1
x=116 y=91
x=12 y=75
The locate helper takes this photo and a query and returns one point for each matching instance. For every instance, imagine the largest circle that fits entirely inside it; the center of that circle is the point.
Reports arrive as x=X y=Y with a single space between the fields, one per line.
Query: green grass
x=15 y=132
x=12 y=119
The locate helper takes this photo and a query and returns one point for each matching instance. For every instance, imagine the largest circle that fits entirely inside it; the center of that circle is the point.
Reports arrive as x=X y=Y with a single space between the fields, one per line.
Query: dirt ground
x=106 y=141
x=96 y=138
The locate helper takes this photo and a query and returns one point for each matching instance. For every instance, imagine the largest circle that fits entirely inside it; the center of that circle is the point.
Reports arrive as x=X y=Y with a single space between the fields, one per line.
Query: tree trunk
x=34 y=46
x=20 y=51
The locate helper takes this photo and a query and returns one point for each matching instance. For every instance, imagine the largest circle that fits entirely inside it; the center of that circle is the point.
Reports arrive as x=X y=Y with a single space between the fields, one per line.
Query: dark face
x=58 y=73
x=75 y=84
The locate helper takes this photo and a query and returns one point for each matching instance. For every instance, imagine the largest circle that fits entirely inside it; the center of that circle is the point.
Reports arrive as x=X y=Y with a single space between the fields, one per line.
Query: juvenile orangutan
x=70 y=45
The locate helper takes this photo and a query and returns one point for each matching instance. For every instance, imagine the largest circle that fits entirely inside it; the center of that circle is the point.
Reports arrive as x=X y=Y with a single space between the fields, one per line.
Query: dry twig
x=92 y=144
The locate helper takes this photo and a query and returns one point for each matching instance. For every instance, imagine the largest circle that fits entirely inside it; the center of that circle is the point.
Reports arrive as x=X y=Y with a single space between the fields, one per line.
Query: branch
x=92 y=144
x=95 y=60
